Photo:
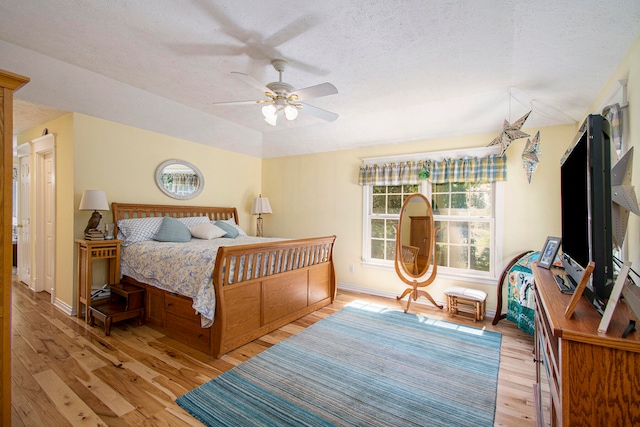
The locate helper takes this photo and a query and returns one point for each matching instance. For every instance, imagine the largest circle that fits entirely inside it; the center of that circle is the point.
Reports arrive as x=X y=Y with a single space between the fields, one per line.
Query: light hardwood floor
x=65 y=373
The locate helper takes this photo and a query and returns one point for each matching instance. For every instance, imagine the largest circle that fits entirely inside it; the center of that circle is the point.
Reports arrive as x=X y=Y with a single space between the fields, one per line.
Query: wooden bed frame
x=246 y=307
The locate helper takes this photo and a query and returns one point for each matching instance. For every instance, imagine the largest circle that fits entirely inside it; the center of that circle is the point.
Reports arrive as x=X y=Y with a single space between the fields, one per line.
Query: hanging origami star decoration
x=531 y=156
x=510 y=132
x=623 y=197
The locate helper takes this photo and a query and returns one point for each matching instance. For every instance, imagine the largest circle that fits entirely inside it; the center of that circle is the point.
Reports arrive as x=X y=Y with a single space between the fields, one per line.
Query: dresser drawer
x=181 y=306
x=185 y=331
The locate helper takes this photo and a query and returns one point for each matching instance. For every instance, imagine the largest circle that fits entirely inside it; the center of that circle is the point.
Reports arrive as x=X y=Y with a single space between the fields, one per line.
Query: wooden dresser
x=584 y=378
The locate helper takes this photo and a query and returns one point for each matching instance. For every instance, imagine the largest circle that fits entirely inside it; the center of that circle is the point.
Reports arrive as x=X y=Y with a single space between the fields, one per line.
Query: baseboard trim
x=64 y=307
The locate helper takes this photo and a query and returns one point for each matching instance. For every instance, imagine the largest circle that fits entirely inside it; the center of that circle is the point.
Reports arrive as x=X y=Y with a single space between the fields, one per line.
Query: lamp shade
x=269 y=110
x=261 y=206
x=290 y=112
x=94 y=200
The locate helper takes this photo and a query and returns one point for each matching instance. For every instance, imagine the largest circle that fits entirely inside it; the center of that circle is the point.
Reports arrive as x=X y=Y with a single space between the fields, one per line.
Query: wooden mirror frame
x=403 y=236
x=400 y=266
x=196 y=171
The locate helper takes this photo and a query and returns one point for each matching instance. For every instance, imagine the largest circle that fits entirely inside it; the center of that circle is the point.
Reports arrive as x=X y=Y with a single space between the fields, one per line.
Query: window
x=469 y=214
x=464 y=213
x=386 y=203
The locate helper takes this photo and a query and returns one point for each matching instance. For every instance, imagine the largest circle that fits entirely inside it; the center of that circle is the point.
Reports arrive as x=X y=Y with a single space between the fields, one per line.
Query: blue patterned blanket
x=183 y=268
x=521 y=299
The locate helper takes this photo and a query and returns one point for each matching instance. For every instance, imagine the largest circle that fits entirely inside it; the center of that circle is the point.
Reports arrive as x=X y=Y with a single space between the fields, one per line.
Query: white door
x=43 y=234
x=45 y=229
x=24 y=212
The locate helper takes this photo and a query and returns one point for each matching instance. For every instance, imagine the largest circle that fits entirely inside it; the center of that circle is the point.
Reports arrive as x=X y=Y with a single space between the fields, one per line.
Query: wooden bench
x=463 y=302
x=126 y=302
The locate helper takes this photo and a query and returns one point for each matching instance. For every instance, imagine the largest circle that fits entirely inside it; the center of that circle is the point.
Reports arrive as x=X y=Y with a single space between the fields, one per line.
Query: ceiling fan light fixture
x=269 y=110
x=290 y=112
x=272 y=119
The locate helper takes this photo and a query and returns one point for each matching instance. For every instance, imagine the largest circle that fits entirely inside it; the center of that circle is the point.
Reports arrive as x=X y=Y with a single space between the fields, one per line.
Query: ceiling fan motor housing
x=281 y=88
x=280 y=65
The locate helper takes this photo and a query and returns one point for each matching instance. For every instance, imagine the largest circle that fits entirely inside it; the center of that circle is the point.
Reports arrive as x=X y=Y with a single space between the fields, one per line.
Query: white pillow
x=206 y=231
x=232 y=221
x=191 y=221
x=138 y=229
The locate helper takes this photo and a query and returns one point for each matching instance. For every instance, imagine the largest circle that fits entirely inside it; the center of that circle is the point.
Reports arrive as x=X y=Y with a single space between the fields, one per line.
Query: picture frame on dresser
x=577 y=293
x=616 y=292
x=549 y=252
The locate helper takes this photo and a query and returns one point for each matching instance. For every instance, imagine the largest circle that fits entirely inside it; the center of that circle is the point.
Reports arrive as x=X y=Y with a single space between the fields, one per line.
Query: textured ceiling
x=405 y=70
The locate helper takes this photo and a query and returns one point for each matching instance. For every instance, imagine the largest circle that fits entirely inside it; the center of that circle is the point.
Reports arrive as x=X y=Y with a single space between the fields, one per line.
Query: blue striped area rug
x=364 y=365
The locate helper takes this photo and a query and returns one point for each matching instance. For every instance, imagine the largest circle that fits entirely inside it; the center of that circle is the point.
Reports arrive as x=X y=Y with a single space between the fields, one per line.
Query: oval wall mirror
x=179 y=179
x=415 y=233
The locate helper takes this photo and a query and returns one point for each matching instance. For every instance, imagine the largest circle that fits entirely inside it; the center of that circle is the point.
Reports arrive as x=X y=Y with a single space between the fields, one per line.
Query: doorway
x=37 y=220
x=23 y=223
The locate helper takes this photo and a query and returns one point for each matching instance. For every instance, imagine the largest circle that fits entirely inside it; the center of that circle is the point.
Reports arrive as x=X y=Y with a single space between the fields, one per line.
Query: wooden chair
x=410 y=258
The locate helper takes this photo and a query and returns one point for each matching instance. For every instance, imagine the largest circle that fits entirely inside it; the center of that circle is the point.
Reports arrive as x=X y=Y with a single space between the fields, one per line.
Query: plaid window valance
x=465 y=169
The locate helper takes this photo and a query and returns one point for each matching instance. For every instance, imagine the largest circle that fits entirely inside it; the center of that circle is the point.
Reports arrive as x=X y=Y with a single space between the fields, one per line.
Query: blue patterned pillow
x=232 y=232
x=172 y=230
x=232 y=222
x=138 y=229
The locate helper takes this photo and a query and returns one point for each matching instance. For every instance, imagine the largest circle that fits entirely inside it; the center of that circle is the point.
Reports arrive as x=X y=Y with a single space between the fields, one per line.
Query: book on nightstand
x=93 y=235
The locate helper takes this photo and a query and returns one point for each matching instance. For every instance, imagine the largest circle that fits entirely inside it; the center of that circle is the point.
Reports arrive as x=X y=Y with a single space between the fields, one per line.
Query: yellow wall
x=92 y=153
x=318 y=194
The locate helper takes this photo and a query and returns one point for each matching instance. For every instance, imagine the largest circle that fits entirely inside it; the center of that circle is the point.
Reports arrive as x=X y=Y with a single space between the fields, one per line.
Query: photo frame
x=577 y=293
x=549 y=252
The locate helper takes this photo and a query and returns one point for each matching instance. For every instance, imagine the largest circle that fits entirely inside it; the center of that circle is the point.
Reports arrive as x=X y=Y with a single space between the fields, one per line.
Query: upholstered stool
x=463 y=302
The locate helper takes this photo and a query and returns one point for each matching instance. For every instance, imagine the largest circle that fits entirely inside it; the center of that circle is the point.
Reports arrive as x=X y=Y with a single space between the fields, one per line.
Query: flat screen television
x=585 y=175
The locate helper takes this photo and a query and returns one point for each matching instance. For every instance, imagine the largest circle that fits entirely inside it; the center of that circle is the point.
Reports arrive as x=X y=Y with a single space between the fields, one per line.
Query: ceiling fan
x=284 y=98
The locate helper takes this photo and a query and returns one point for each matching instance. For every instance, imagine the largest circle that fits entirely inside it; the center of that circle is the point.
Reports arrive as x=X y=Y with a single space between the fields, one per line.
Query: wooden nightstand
x=126 y=302
x=89 y=251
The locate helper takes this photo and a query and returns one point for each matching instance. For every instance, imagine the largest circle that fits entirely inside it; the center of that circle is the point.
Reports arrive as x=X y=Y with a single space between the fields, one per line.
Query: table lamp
x=93 y=200
x=260 y=206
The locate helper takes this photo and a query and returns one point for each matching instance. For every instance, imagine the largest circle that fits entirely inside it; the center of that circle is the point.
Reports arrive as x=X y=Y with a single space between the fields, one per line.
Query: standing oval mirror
x=415 y=233
x=179 y=179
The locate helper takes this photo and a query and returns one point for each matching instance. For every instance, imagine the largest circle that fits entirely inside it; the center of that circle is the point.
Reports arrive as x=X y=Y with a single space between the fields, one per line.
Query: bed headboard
x=130 y=210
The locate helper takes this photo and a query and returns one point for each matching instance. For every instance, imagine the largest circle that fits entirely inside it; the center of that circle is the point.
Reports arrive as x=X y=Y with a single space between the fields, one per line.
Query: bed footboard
x=261 y=287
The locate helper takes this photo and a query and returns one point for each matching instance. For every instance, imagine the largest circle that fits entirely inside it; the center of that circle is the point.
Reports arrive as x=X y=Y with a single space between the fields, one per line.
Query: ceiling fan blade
x=292 y=30
x=323 y=89
x=227 y=26
x=263 y=101
x=207 y=49
x=318 y=112
x=253 y=82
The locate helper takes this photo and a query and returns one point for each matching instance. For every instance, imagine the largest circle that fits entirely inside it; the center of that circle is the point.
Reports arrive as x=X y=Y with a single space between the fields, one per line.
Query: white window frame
x=497 y=221
x=425 y=188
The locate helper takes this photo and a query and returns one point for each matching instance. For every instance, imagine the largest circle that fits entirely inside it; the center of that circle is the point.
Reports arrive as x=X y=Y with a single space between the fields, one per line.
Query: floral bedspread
x=521 y=299
x=183 y=268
